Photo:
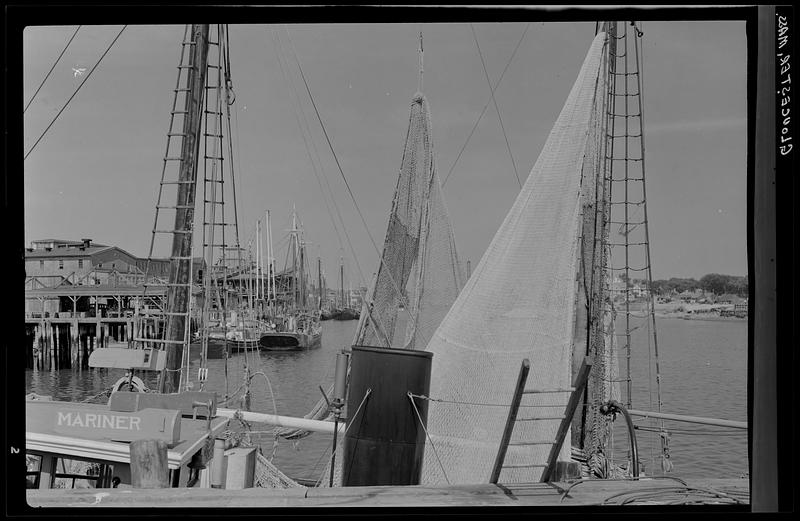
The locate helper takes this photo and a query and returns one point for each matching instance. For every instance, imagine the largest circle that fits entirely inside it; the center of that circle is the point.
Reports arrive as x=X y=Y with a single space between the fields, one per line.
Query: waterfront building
x=57 y=272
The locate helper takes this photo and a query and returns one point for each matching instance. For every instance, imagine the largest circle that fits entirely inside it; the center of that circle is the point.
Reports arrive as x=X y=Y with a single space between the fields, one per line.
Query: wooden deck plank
x=528 y=494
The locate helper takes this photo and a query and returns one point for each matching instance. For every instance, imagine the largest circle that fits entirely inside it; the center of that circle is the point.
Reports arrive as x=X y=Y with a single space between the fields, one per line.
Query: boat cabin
x=82 y=445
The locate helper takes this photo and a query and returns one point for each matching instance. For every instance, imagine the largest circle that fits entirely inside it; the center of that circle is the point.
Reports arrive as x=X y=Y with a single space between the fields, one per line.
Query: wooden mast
x=179 y=292
x=319 y=282
x=302 y=273
x=294 y=261
x=341 y=281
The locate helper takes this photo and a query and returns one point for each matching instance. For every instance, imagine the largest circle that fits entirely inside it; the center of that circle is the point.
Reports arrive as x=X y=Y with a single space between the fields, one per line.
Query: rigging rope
x=475 y=126
x=496 y=108
x=303 y=129
x=352 y=196
x=228 y=90
x=76 y=91
x=51 y=69
x=350 y=424
x=336 y=159
x=411 y=399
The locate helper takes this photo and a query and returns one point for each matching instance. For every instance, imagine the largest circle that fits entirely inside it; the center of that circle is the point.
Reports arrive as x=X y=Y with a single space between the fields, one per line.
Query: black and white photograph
x=401 y=257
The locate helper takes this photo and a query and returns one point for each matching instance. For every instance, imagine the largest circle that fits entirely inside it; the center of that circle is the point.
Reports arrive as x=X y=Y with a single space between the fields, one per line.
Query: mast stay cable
x=352 y=196
x=304 y=127
x=51 y=69
x=76 y=91
x=496 y=108
x=336 y=159
x=475 y=126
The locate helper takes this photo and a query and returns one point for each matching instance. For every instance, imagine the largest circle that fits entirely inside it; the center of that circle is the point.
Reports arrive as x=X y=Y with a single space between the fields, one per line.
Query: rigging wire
x=336 y=159
x=350 y=423
x=230 y=101
x=51 y=69
x=76 y=91
x=352 y=196
x=475 y=126
x=496 y=108
x=303 y=130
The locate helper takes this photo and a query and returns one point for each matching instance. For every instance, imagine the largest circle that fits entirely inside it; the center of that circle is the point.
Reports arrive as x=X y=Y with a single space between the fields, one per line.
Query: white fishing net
x=518 y=303
x=419 y=275
x=267 y=475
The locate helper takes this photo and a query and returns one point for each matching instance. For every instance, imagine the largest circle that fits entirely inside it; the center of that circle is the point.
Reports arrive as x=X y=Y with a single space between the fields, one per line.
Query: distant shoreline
x=690 y=316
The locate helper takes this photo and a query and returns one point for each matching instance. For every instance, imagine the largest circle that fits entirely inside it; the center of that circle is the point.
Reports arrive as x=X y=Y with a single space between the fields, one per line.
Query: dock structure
x=82 y=319
x=81 y=295
x=733 y=493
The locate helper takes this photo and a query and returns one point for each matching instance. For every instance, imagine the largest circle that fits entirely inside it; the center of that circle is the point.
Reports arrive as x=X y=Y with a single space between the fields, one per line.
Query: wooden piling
x=75 y=341
x=63 y=345
x=40 y=346
x=79 y=350
x=35 y=346
x=85 y=349
x=57 y=342
x=30 y=336
x=54 y=349
x=49 y=359
x=59 y=347
x=149 y=465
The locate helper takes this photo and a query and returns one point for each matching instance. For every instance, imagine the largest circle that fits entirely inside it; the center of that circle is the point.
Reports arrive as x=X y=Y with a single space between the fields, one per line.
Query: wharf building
x=80 y=295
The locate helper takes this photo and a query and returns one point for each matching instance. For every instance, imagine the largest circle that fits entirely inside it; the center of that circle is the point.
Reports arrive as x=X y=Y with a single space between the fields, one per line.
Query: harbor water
x=703 y=373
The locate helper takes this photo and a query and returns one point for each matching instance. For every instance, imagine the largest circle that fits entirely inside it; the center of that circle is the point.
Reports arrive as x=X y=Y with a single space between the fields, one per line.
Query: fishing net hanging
x=519 y=303
x=419 y=274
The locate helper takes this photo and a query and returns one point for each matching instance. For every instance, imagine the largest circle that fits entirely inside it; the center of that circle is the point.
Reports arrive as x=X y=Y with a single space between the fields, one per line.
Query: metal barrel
x=385 y=442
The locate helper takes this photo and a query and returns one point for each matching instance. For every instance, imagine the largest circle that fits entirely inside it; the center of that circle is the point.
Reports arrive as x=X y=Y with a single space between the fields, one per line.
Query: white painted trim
x=91 y=449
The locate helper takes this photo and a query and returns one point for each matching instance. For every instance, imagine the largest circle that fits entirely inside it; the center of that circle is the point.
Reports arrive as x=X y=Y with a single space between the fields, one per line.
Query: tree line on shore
x=715 y=283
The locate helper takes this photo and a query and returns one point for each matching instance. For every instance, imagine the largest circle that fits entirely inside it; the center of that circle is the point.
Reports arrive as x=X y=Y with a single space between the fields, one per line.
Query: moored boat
x=347 y=314
x=294 y=332
x=90 y=444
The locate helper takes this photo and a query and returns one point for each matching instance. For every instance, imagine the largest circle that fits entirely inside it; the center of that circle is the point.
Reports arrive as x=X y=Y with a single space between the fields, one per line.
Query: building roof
x=60 y=241
x=69 y=251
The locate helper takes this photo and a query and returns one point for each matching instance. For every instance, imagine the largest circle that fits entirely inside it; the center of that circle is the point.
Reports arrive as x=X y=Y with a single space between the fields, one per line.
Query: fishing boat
x=345 y=311
x=537 y=310
x=245 y=326
x=296 y=331
x=236 y=337
x=297 y=325
x=565 y=355
x=162 y=436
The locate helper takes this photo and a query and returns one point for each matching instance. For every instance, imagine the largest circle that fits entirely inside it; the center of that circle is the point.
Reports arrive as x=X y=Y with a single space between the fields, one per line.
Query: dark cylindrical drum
x=385 y=442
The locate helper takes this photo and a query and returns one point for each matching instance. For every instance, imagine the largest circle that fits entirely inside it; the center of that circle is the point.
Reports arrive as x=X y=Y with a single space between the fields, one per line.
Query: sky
x=96 y=172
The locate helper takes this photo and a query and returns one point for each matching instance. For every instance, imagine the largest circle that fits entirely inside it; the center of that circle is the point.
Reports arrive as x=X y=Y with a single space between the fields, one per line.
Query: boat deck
x=41 y=437
x=585 y=493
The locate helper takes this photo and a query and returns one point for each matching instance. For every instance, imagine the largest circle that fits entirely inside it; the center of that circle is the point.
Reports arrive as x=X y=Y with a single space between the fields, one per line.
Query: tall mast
x=341 y=280
x=319 y=282
x=258 y=261
x=271 y=292
x=302 y=272
x=421 y=71
x=294 y=258
x=179 y=290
